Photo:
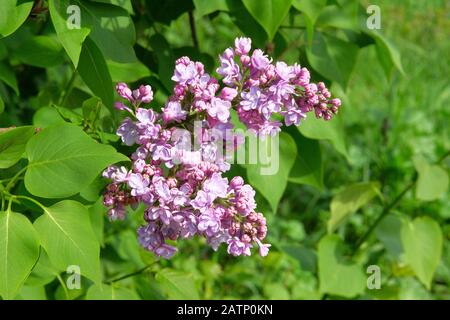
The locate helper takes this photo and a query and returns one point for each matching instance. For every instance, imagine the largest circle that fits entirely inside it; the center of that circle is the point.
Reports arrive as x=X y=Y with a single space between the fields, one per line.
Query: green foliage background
x=368 y=188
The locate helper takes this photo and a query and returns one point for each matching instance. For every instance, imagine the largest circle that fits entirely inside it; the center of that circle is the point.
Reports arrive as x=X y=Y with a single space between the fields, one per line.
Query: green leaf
x=40 y=51
x=204 y=7
x=43 y=272
x=306 y=288
x=13 y=14
x=12 y=145
x=63 y=160
x=177 y=285
x=110 y=292
x=246 y=23
x=411 y=289
x=8 y=76
x=94 y=190
x=46 y=117
x=388 y=232
x=2 y=105
x=305 y=256
x=127 y=247
x=337 y=275
x=19 y=251
x=332 y=57
x=97 y=215
x=276 y=291
x=342 y=17
x=332 y=131
x=311 y=9
x=127 y=72
x=112 y=30
x=94 y=72
x=71 y=39
x=350 y=200
x=422 y=241
x=432 y=182
x=387 y=53
x=271 y=177
x=69 y=115
x=91 y=108
x=32 y=293
x=3 y=50
x=308 y=168
x=269 y=13
x=68 y=238
x=125 y=4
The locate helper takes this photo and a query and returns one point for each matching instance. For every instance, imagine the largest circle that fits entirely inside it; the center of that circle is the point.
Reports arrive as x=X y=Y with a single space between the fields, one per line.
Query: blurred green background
x=391 y=131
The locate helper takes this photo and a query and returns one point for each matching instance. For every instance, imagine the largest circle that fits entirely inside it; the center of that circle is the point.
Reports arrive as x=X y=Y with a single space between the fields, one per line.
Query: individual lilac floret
x=242 y=45
x=143 y=94
x=229 y=69
x=173 y=112
x=219 y=109
x=125 y=92
x=128 y=132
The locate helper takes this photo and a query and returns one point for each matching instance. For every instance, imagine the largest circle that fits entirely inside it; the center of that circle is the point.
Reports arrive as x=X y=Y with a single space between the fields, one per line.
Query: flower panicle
x=185 y=192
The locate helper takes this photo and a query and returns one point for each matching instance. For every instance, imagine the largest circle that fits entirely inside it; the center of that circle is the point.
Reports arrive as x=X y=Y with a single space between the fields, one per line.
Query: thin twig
x=135 y=273
x=2 y=130
x=391 y=205
x=193 y=29
x=385 y=211
x=16 y=177
x=65 y=94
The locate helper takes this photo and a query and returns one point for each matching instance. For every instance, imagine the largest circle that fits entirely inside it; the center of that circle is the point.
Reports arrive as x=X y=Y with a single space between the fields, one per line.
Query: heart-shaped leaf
x=338 y=275
x=422 y=242
x=432 y=182
x=349 y=200
x=63 y=160
x=67 y=236
x=332 y=131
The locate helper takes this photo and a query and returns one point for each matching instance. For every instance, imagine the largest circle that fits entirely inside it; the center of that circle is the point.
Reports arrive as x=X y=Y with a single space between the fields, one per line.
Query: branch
x=129 y=275
x=193 y=29
x=391 y=205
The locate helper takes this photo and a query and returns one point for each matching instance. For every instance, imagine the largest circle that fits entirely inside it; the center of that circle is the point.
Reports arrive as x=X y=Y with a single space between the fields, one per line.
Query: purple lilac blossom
x=184 y=191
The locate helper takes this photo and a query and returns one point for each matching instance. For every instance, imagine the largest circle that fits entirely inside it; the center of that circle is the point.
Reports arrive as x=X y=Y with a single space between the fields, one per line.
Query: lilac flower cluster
x=183 y=190
x=264 y=89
